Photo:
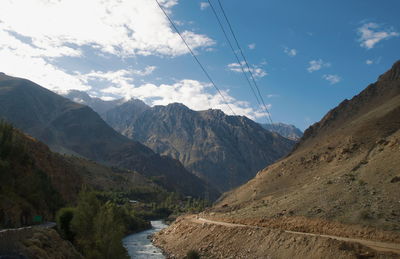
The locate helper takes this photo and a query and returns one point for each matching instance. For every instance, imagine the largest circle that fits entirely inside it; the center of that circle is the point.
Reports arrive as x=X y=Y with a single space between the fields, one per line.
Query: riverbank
x=139 y=245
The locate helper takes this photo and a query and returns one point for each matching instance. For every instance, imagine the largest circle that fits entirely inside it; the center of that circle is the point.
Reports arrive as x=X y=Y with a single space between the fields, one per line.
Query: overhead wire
x=234 y=52
x=195 y=57
x=245 y=61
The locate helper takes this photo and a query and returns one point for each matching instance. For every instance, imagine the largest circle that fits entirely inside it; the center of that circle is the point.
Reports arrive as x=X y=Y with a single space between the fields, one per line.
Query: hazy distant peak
x=285 y=130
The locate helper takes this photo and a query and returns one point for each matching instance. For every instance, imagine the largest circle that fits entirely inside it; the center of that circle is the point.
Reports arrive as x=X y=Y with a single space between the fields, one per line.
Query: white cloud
x=192 y=93
x=369 y=62
x=204 y=5
x=22 y=60
x=372 y=33
x=34 y=34
x=315 y=65
x=147 y=71
x=252 y=46
x=332 y=79
x=124 y=28
x=290 y=52
x=257 y=72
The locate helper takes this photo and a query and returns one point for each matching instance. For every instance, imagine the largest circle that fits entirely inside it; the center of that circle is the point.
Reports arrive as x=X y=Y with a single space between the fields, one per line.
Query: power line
x=245 y=60
x=195 y=57
x=233 y=50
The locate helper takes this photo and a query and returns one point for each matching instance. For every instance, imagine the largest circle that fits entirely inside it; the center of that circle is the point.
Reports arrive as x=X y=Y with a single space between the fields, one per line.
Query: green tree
x=83 y=220
x=64 y=217
x=98 y=227
x=109 y=230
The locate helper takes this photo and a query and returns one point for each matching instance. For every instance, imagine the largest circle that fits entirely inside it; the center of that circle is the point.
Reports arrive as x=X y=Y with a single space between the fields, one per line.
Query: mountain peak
x=176 y=107
x=392 y=74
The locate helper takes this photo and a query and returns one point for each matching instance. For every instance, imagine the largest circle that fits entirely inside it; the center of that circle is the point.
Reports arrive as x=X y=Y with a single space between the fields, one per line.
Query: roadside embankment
x=214 y=239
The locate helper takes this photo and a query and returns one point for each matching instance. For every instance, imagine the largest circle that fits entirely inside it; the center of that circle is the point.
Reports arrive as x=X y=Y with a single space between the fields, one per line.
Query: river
x=140 y=247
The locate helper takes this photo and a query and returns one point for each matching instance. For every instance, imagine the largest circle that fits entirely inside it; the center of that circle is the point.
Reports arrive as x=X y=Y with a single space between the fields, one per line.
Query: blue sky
x=307 y=56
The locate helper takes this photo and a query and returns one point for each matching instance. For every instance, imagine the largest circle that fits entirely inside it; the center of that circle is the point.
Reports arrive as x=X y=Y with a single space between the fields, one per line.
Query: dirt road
x=379 y=246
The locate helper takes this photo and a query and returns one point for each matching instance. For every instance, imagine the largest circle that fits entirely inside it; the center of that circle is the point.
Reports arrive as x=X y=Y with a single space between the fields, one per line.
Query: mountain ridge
x=224 y=150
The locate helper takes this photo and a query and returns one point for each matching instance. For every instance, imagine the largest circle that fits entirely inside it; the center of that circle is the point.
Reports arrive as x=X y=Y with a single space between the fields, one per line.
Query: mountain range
x=72 y=128
x=223 y=150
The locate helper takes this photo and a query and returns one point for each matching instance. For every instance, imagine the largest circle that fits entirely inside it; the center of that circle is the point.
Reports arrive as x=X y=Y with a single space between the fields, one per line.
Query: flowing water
x=140 y=247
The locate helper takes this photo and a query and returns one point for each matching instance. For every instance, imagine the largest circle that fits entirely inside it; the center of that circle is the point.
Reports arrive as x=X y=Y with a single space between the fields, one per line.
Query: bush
x=193 y=254
x=64 y=218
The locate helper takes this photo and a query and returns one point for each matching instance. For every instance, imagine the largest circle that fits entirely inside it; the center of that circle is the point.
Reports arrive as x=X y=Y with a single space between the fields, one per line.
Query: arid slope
x=345 y=168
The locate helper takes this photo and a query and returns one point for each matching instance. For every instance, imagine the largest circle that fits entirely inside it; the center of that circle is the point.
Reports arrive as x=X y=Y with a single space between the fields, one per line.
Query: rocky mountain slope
x=285 y=130
x=342 y=180
x=223 y=150
x=72 y=128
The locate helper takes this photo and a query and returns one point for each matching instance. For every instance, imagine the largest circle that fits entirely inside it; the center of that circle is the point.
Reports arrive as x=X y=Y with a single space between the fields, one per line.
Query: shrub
x=192 y=254
x=64 y=218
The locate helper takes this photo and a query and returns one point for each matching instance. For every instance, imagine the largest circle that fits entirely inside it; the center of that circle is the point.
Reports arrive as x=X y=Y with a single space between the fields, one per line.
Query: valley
x=211 y=129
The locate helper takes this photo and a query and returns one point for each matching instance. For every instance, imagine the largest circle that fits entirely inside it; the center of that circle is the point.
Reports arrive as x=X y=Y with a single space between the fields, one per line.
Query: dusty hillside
x=224 y=150
x=345 y=168
x=342 y=179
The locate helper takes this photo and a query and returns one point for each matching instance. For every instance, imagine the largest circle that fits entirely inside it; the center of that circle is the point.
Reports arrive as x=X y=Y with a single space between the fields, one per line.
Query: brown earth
x=216 y=239
x=35 y=242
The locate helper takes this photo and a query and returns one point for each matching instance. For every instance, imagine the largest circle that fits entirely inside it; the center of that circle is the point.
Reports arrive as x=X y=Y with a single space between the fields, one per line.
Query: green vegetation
x=101 y=219
x=25 y=190
x=97 y=225
x=151 y=202
x=64 y=218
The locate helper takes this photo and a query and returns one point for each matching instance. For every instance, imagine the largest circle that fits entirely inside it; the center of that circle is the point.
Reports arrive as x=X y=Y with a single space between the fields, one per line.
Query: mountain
x=98 y=105
x=72 y=128
x=285 y=130
x=223 y=150
x=345 y=167
x=342 y=181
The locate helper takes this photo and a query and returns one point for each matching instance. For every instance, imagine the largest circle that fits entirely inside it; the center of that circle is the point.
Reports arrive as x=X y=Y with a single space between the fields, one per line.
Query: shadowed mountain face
x=68 y=127
x=223 y=150
x=345 y=168
x=285 y=130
